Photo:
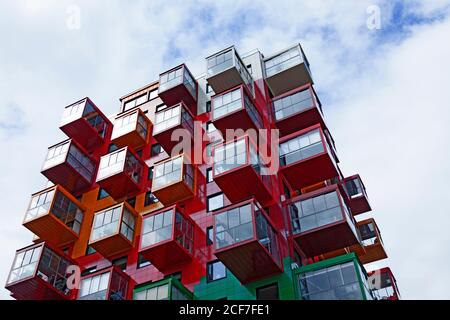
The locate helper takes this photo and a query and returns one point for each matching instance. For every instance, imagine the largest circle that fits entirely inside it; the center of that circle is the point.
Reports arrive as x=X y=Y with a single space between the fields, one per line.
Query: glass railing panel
x=283 y=61
x=81 y=163
x=354 y=188
x=118 y=287
x=68 y=212
x=156 y=293
x=184 y=232
x=167 y=173
x=39 y=205
x=53 y=269
x=142 y=127
x=266 y=235
x=368 y=234
x=220 y=62
x=125 y=124
x=171 y=79
x=230 y=156
x=96 y=121
x=25 y=264
x=112 y=164
x=127 y=225
x=301 y=147
x=56 y=155
x=157 y=228
x=95 y=288
x=227 y=103
x=234 y=226
x=189 y=83
x=167 y=118
x=253 y=112
x=292 y=104
x=133 y=168
x=106 y=223
x=73 y=112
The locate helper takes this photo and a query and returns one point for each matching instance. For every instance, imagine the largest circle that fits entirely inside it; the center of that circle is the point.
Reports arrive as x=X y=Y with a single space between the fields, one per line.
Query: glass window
x=157 y=228
x=269 y=292
x=121 y=263
x=156 y=150
x=215 y=202
x=233 y=226
x=283 y=61
x=208 y=106
x=156 y=293
x=292 y=104
x=209 y=236
x=209 y=175
x=25 y=264
x=168 y=172
x=230 y=156
x=215 y=271
x=210 y=127
x=135 y=102
x=301 y=147
x=227 y=103
x=142 y=262
x=152 y=94
x=106 y=223
x=102 y=194
x=94 y=288
x=209 y=88
x=150 y=199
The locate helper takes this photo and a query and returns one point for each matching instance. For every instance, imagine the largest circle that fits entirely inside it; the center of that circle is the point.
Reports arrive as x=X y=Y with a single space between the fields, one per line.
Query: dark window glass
x=87 y=271
x=209 y=236
x=156 y=150
x=150 y=199
x=209 y=175
x=90 y=250
x=208 y=106
x=249 y=68
x=102 y=194
x=175 y=275
x=121 y=263
x=132 y=202
x=150 y=174
x=215 y=202
x=142 y=262
x=209 y=88
x=112 y=147
x=160 y=107
x=269 y=292
x=139 y=153
x=215 y=271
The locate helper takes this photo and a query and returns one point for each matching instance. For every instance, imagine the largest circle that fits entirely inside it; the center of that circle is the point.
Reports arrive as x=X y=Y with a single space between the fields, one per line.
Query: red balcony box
x=106 y=284
x=68 y=165
x=239 y=171
x=297 y=109
x=246 y=241
x=306 y=158
x=132 y=129
x=170 y=119
x=226 y=70
x=287 y=70
x=55 y=216
x=356 y=195
x=321 y=222
x=174 y=180
x=234 y=109
x=39 y=272
x=120 y=173
x=85 y=123
x=113 y=230
x=384 y=285
x=177 y=85
x=167 y=238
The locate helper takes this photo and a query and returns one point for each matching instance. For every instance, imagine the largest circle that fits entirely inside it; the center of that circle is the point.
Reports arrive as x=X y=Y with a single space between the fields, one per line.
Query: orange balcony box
x=321 y=222
x=120 y=173
x=239 y=171
x=167 y=238
x=105 y=284
x=172 y=119
x=306 y=158
x=55 y=216
x=178 y=85
x=246 y=241
x=356 y=195
x=85 y=123
x=113 y=230
x=68 y=165
x=371 y=241
x=131 y=129
x=39 y=272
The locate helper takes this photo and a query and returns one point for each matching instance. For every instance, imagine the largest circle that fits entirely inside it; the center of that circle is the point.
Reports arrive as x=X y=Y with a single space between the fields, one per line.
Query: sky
x=384 y=89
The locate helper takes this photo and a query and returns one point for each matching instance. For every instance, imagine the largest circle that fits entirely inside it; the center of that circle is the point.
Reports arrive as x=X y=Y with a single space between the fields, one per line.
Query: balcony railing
x=113 y=230
x=167 y=289
x=226 y=70
x=356 y=194
x=85 y=123
x=244 y=230
x=120 y=173
x=178 y=85
x=39 y=273
x=287 y=70
x=131 y=129
x=107 y=284
x=241 y=172
x=54 y=215
x=167 y=238
x=321 y=222
x=384 y=285
x=66 y=164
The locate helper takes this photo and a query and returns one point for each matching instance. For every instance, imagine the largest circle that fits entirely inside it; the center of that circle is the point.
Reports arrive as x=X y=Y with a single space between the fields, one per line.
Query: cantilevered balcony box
x=178 y=85
x=234 y=109
x=287 y=70
x=132 y=129
x=68 y=165
x=240 y=172
x=85 y=123
x=383 y=284
x=321 y=222
x=106 y=284
x=39 y=272
x=306 y=158
x=54 y=215
x=166 y=289
x=167 y=238
x=356 y=194
x=120 y=173
x=225 y=70
x=113 y=230
x=297 y=109
x=174 y=180
x=339 y=278
x=171 y=119
x=246 y=241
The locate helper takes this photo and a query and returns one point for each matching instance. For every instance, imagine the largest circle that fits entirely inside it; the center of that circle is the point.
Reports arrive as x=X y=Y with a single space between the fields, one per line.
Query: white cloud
x=385 y=101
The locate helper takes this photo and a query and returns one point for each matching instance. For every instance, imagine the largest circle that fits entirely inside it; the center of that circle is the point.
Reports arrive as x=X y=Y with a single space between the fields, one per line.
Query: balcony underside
x=164 y=138
x=359 y=205
x=166 y=255
x=64 y=175
x=225 y=80
x=178 y=94
x=174 y=193
x=326 y=239
x=308 y=172
x=235 y=120
x=289 y=79
x=35 y=289
x=300 y=121
x=83 y=133
x=249 y=261
x=120 y=186
x=243 y=183
x=132 y=139
x=113 y=246
x=51 y=229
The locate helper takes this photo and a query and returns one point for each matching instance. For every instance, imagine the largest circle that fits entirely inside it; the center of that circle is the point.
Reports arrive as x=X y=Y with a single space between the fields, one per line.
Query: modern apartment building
x=129 y=215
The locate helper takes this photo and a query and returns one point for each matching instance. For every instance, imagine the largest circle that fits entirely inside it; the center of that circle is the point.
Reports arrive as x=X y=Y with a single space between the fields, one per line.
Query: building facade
x=260 y=212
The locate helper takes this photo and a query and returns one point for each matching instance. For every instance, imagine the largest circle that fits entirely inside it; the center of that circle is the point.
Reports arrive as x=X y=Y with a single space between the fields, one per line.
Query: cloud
x=384 y=94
